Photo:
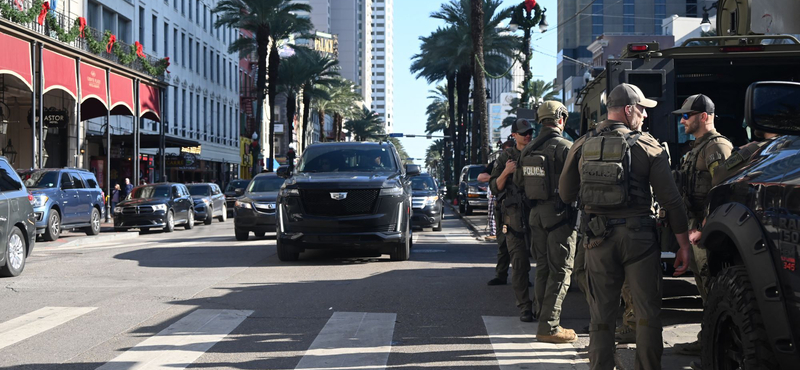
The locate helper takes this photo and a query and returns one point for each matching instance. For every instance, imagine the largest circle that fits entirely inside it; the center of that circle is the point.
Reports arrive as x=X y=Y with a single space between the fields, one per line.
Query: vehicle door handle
x=75 y=196
x=3 y=219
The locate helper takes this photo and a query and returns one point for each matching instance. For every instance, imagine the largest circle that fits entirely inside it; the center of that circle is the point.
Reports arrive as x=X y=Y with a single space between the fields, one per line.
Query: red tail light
x=103 y=194
x=30 y=198
x=639 y=48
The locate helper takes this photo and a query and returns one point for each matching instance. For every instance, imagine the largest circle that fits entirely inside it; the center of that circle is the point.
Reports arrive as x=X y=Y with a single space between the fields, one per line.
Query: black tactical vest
x=540 y=175
x=606 y=178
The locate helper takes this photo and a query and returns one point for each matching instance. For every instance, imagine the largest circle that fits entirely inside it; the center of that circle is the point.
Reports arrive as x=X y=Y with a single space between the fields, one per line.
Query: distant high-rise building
x=351 y=20
x=383 y=61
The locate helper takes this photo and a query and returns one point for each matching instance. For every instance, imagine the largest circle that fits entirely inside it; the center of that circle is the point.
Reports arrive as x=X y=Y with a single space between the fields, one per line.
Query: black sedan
x=161 y=205
x=426 y=203
x=255 y=210
x=209 y=202
x=234 y=190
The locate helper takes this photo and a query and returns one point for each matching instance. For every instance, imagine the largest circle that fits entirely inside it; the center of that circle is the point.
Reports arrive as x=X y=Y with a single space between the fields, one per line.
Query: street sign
x=396 y=134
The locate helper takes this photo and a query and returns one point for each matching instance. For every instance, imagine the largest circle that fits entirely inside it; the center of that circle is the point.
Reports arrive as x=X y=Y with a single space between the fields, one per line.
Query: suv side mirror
x=773 y=107
x=67 y=185
x=239 y=192
x=283 y=172
x=412 y=170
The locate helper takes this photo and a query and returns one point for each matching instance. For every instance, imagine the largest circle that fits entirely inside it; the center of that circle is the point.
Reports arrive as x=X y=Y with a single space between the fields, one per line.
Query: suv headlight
x=394 y=191
x=40 y=200
x=245 y=205
x=429 y=201
x=160 y=207
x=473 y=189
x=117 y=209
x=285 y=192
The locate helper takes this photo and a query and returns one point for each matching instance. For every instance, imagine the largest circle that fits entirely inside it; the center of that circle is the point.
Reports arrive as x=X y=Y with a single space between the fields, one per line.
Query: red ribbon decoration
x=43 y=13
x=166 y=59
x=111 y=41
x=82 y=25
x=139 y=51
x=18 y=3
x=529 y=5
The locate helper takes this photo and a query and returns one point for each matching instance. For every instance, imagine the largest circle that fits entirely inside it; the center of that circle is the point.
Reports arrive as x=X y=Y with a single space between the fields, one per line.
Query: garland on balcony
x=108 y=43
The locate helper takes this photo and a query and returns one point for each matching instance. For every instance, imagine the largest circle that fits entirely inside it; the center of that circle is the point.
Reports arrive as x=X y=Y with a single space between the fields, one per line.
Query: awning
x=121 y=95
x=15 y=59
x=60 y=72
x=149 y=106
x=94 y=93
x=151 y=141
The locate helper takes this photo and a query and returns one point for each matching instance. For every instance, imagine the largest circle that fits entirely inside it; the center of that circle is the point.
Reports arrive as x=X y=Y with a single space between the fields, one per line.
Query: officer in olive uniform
x=742 y=156
x=515 y=213
x=552 y=223
x=613 y=169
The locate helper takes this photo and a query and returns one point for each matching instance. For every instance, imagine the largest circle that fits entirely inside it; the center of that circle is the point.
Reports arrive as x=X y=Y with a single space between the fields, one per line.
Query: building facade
x=383 y=61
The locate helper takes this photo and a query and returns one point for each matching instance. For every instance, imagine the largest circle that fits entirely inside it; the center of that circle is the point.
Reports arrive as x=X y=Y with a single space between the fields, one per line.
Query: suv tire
x=224 y=215
x=241 y=235
x=209 y=216
x=732 y=325
x=170 y=227
x=403 y=249
x=461 y=209
x=190 y=222
x=438 y=226
x=284 y=253
x=94 y=220
x=15 y=254
x=53 y=228
x=467 y=209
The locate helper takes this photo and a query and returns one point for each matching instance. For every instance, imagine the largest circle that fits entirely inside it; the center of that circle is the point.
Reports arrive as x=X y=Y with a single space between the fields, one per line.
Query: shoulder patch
x=734 y=160
x=713 y=157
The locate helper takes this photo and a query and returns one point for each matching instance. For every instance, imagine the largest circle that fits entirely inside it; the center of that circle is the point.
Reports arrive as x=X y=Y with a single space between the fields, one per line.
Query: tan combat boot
x=561 y=336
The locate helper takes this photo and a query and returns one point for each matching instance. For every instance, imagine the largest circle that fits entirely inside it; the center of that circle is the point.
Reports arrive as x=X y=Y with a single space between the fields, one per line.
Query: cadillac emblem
x=338 y=196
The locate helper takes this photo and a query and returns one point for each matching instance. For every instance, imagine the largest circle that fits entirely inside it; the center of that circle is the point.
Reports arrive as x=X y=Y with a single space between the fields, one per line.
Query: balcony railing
x=66 y=22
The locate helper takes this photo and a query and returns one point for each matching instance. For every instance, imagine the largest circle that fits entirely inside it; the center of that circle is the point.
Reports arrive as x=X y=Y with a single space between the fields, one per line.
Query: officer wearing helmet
x=616 y=170
x=552 y=223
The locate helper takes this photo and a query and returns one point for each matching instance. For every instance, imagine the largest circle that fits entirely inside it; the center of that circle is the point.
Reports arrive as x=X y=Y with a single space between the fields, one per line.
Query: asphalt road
x=201 y=299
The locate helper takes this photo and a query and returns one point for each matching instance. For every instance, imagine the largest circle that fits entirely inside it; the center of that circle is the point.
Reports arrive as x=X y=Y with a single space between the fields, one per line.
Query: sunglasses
x=687 y=115
x=526 y=133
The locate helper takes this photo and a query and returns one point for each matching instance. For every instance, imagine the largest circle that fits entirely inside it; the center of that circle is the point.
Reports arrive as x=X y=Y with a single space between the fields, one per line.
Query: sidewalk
x=77 y=238
x=681 y=313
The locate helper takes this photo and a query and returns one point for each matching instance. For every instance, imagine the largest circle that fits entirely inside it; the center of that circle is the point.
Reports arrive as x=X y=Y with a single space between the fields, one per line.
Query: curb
x=96 y=239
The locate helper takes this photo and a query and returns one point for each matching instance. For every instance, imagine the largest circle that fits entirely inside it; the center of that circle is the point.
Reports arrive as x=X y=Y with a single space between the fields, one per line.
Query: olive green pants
x=519 y=251
x=699 y=267
x=579 y=268
x=554 y=253
x=630 y=254
x=503 y=259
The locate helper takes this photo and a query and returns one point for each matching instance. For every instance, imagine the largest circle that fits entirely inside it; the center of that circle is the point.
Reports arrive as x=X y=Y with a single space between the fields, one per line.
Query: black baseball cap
x=521 y=126
x=696 y=103
x=627 y=94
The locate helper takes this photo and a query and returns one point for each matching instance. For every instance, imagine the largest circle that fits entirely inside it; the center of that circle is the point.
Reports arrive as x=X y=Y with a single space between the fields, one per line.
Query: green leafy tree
x=368 y=124
x=539 y=91
x=437 y=110
x=321 y=73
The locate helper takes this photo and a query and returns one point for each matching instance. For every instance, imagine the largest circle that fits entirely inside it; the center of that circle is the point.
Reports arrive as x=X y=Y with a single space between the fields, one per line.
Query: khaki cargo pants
x=632 y=254
x=554 y=253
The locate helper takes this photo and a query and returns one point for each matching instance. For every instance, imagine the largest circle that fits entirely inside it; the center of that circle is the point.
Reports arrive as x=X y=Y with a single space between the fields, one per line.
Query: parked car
x=256 y=210
x=234 y=190
x=65 y=198
x=471 y=192
x=426 y=202
x=346 y=195
x=209 y=202
x=17 y=230
x=155 y=205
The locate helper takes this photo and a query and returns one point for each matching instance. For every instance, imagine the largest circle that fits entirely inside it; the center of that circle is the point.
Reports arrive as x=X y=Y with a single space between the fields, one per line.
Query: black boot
x=526 y=316
x=497 y=281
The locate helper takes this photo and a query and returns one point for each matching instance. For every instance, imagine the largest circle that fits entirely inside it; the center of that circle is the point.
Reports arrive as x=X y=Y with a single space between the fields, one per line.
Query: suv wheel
x=403 y=249
x=733 y=335
x=209 y=216
x=438 y=226
x=15 y=254
x=94 y=229
x=224 y=215
x=241 y=235
x=285 y=254
x=467 y=209
x=461 y=209
x=53 y=229
x=190 y=223
x=170 y=227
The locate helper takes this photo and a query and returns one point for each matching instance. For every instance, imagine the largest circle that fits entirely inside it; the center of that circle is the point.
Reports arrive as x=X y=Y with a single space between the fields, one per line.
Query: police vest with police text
x=540 y=176
x=606 y=178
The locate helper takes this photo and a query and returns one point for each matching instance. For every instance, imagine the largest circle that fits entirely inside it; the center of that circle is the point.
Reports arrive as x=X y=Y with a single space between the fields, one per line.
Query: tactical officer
x=552 y=223
x=503 y=259
x=742 y=156
x=613 y=169
x=694 y=178
x=514 y=213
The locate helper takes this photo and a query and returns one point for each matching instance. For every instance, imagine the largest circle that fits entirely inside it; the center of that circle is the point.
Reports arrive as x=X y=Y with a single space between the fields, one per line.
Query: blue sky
x=412 y=20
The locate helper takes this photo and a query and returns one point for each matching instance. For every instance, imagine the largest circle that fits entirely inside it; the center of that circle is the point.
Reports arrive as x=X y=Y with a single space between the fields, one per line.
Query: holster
x=596 y=231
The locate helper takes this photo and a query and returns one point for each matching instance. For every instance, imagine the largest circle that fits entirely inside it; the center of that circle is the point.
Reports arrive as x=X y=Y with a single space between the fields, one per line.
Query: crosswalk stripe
x=352 y=340
x=515 y=347
x=36 y=322
x=182 y=343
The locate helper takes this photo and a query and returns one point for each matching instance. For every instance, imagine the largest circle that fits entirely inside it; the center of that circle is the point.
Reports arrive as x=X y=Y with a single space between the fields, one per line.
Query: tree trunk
x=479 y=100
x=451 y=128
x=323 y=136
x=306 y=112
x=462 y=89
x=291 y=110
x=262 y=39
x=274 y=61
x=337 y=124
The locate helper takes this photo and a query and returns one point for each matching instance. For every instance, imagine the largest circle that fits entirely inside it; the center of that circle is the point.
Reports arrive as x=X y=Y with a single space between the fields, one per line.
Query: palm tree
x=269 y=21
x=321 y=71
x=368 y=124
x=294 y=72
x=538 y=90
x=343 y=103
x=437 y=110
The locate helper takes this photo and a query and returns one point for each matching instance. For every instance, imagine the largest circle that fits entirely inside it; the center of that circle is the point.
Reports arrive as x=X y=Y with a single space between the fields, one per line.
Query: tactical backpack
x=606 y=179
x=694 y=185
x=540 y=177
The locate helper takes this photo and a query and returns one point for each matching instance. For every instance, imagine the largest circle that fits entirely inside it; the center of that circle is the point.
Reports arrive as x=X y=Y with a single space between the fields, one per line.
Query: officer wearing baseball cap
x=616 y=170
x=514 y=211
x=552 y=223
x=695 y=179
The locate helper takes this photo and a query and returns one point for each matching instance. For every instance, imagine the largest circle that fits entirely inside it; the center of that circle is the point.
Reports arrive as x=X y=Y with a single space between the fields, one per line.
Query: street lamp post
x=527 y=15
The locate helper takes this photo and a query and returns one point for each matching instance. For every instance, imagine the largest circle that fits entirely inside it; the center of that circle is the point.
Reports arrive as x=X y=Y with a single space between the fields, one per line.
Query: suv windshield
x=473 y=172
x=150 y=192
x=41 y=179
x=199 y=190
x=347 y=158
x=265 y=184
x=422 y=183
x=236 y=184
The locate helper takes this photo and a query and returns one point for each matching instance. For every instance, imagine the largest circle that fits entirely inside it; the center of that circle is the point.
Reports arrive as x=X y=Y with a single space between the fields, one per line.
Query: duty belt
x=632 y=222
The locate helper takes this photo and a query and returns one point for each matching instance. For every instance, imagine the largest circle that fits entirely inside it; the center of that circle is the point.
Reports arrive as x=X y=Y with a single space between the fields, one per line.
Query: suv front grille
x=357 y=202
x=417 y=202
x=133 y=210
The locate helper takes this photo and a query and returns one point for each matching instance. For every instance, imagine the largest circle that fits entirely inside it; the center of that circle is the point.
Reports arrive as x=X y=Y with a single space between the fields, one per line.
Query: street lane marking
x=515 y=347
x=352 y=340
x=37 y=322
x=182 y=343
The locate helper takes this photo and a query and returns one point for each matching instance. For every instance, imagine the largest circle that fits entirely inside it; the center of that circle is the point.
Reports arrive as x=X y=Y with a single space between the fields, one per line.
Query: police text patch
x=537 y=171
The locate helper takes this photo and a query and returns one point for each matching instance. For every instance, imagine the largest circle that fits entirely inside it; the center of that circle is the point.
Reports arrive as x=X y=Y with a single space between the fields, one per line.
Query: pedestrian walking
x=551 y=221
x=616 y=170
x=490 y=224
x=115 y=196
x=128 y=186
x=514 y=215
x=694 y=178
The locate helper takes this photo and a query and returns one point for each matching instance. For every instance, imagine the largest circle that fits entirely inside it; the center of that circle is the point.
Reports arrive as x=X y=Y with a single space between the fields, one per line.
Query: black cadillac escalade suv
x=346 y=195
